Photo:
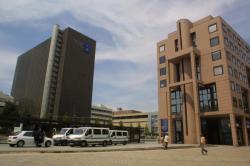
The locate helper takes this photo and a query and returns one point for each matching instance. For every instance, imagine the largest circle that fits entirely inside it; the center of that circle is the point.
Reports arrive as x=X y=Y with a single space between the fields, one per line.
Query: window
x=226 y=41
x=232 y=85
x=193 y=38
x=216 y=55
x=105 y=131
x=176 y=45
x=218 y=70
x=163 y=83
x=125 y=133
x=212 y=28
x=240 y=103
x=235 y=102
x=162 y=59
x=119 y=133
x=214 y=41
x=162 y=48
x=235 y=73
x=176 y=102
x=28 y=134
x=97 y=131
x=230 y=70
x=163 y=71
x=198 y=68
x=241 y=77
x=208 y=98
x=238 y=88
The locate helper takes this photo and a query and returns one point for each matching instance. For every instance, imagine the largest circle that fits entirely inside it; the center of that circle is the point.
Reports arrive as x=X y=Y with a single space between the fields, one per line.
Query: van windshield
x=79 y=131
x=63 y=131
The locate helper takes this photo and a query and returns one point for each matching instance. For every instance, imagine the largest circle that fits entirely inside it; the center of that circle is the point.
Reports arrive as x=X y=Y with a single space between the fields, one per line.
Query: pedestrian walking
x=203 y=143
x=166 y=141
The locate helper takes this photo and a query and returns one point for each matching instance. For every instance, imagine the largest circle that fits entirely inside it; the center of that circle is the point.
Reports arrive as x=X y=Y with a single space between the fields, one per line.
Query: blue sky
x=126 y=33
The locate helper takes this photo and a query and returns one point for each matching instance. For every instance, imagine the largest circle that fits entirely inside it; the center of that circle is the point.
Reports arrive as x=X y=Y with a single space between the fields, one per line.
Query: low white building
x=101 y=114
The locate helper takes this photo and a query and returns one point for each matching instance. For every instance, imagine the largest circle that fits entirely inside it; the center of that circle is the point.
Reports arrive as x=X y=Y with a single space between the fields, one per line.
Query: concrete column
x=233 y=129
x=183 y=33
x=47 y=82
x=170 y=127
x=244 y=128
x=196 y=99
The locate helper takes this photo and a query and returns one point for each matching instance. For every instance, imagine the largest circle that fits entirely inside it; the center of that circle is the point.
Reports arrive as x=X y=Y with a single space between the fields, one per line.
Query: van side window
x=97 y=131
x=70 y=132
x=89 y=132
x=113 y=134
x=119 y=133
x=105 y=131
x=125 y=134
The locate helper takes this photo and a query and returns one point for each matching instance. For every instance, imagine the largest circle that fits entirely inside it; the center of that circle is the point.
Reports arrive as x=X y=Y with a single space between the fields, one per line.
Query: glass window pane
x=212 y=28
x=214 y=41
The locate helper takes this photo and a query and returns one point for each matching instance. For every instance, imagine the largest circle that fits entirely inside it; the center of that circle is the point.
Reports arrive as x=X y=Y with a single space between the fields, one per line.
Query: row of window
x=235 y=61
x=235 y=38
x=218 y=70
x=235 y=87
x=234 y=48
x=237 y=75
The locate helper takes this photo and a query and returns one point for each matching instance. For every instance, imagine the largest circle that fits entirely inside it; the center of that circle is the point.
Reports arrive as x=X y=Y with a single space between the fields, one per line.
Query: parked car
x=85 y=136
x=118 y=137
x=61 y=138
x=26 y=138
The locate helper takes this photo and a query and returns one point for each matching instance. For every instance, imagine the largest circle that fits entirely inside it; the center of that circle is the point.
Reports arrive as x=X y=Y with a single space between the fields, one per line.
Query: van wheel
x=110 y=142
x=47 y=144
x=124 y=143
x=104 y=143
x=20 y=144
x=84 y=144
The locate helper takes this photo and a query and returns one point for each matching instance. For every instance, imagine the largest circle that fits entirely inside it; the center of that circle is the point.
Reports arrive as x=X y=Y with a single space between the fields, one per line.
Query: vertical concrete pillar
x=170 y=126
x=183 y=32
x=196 y=99
x=233 y=129
x=244 y=128
x=47 y=82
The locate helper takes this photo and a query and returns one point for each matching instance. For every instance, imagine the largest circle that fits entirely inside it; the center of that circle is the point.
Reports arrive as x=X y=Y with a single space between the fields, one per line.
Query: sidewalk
x=66 y=149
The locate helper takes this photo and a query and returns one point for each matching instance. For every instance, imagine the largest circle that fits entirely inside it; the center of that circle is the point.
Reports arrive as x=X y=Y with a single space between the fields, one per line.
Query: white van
x=118 y=137
x=61 y=138
x=85 y=136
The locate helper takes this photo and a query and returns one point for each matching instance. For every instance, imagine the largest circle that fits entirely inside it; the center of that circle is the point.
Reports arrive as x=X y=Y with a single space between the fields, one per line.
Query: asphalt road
x=217 y=156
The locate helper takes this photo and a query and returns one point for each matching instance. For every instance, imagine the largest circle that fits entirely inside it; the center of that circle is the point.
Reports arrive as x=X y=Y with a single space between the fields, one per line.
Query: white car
x=26 y=138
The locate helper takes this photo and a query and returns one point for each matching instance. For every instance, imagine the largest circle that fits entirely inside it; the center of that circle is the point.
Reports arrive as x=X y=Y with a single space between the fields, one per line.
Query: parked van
x=118 y=137
x=85 y=136
x=61 y=138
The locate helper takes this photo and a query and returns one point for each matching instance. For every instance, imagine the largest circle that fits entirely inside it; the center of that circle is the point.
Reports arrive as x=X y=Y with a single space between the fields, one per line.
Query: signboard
x=164 y=126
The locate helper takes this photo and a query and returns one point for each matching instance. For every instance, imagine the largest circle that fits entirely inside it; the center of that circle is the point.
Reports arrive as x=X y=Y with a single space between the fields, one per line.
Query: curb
x=93 y=150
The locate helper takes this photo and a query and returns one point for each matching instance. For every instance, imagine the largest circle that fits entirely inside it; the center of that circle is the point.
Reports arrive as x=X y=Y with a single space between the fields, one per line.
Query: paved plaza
x=218 y=155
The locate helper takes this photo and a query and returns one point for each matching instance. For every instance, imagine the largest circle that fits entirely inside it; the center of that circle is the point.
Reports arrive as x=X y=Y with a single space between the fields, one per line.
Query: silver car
x=26 y=138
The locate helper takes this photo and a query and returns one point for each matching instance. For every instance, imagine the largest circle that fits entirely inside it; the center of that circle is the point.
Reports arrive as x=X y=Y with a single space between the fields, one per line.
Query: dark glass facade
x=208 y=98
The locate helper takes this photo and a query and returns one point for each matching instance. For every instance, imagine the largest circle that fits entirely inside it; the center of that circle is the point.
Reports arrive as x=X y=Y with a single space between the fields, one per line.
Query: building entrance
x=178 y=130
x=217 y=130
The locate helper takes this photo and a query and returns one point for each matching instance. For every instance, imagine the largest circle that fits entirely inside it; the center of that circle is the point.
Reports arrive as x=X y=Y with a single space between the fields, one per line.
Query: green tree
x=10 y=110
x=121 y=124
x=146 y=129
